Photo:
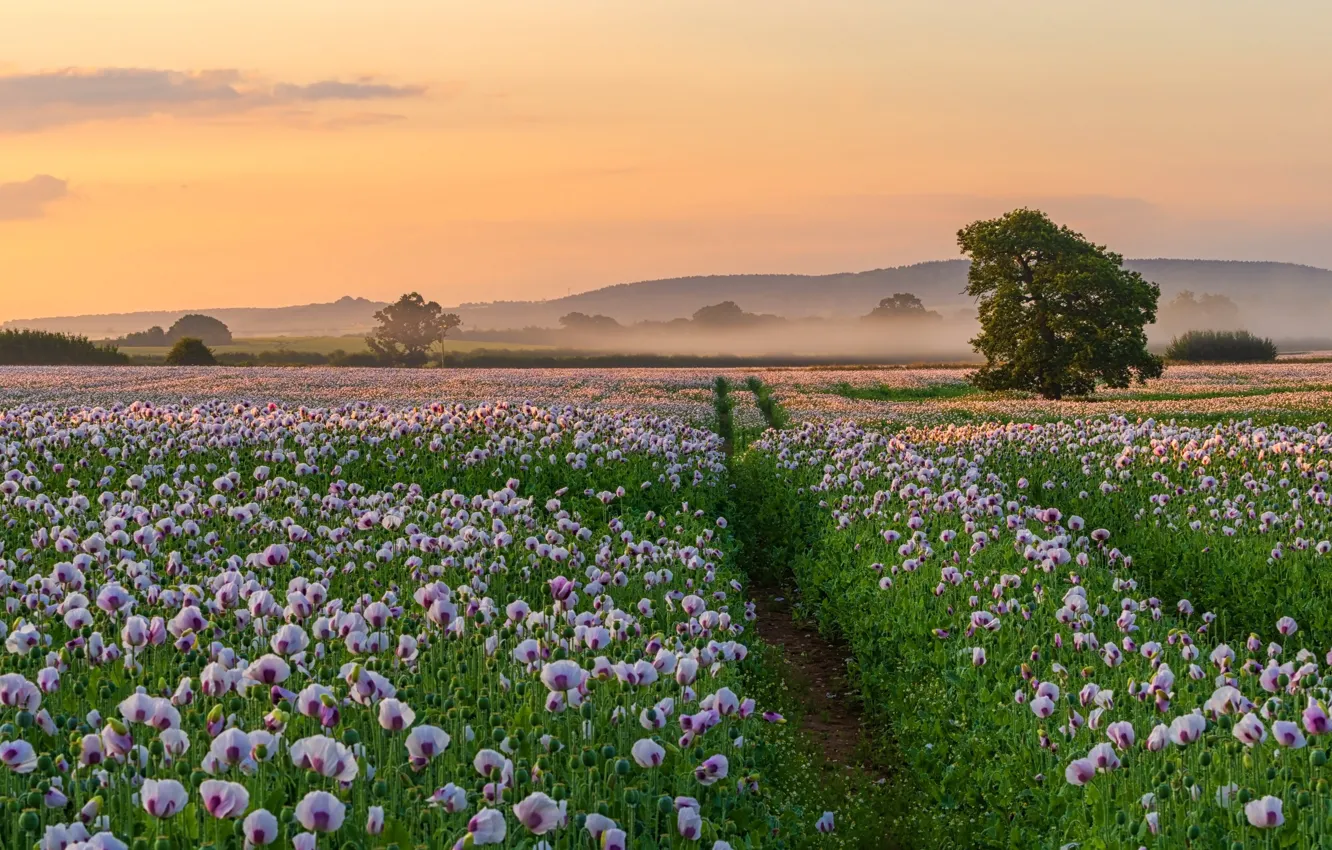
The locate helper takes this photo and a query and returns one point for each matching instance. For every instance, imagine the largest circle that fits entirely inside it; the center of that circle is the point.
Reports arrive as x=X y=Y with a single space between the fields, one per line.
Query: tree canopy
x=903 y=305
x=407 y=329
x=190 y=351
x=583 y=323
x=44 y=348
x=1058 y=313
x=198 y=326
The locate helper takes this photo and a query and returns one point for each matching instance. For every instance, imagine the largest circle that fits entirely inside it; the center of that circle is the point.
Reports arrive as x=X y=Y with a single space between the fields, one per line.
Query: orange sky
x=158 y=154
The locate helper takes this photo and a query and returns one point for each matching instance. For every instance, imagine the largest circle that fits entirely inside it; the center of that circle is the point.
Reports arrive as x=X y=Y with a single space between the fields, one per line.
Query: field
x=314 y=344
x=398 y=608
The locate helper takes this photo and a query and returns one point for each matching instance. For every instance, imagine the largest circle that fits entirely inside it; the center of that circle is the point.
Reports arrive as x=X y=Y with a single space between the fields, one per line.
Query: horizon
x=500 y=302
x=157 y=154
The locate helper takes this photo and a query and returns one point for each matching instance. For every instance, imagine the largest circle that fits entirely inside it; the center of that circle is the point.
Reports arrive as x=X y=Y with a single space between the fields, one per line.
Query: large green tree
x=1058 y=314
x=407 y=329
x=198 y=326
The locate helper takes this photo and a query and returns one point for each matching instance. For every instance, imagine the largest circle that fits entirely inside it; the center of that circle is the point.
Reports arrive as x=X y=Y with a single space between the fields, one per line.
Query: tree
x=1058 y=313
x=190 y=351
x=583 y=323
x=903 y=305
x=1187 y=311
x=198 y=326
x=154 y=336
x=724 y=314
x=407 y=329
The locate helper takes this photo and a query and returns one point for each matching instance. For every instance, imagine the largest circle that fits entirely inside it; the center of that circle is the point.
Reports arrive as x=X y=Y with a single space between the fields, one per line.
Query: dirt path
x=818 y=679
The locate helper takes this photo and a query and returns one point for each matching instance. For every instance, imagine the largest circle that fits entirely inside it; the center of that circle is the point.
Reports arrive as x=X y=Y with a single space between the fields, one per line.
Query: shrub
x=1221 y=347
x=189 y=351
x=44 y=348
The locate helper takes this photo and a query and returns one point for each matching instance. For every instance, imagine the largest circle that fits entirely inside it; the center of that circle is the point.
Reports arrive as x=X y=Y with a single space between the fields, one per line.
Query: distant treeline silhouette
x=44 y=348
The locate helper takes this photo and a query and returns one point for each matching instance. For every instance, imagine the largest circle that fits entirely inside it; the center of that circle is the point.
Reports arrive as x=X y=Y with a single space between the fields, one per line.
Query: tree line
x=1059 y=316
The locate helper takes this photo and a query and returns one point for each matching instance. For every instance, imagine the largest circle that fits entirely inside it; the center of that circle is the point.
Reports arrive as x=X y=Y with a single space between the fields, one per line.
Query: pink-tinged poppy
x=648 y=753
x=539 y=813
x=260 y=828
x=1187 y=728
x=561 y=675
x=1249 y=730
x=487 y=827
x=395 y=715
x=326 y=757
x=597 y=825
x=1287 y=734
x=425 y=742
x=18 y=756
x=451 y=798
x=163 y=798
x=320 y=811
x=374 y=823
x=689 y=823
x=1080 y=771
x=712 y=769
x=1121 y=734
x=1265 y=813
x=1104 y=757
x=1315 y=718
x=224 y=799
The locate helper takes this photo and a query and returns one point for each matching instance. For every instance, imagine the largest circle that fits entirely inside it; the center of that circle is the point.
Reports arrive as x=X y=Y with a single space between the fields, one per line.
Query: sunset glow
x=211 y=154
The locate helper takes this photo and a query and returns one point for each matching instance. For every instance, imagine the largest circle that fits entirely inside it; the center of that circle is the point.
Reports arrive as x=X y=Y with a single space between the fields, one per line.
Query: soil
x=817 y=676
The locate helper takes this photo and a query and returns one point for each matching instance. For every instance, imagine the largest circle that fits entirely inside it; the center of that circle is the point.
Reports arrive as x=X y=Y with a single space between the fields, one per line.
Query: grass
x=947 y=392
x=928 y=392
x=351 y=344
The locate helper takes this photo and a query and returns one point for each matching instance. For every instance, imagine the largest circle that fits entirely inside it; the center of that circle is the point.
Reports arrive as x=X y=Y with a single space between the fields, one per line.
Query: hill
x=346 y=315
x=1281 y=298
x=939 y=284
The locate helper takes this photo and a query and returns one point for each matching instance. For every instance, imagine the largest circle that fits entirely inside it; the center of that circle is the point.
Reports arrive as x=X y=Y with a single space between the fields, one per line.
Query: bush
x=43 y=348
x=190 y=351
x=1221 y=347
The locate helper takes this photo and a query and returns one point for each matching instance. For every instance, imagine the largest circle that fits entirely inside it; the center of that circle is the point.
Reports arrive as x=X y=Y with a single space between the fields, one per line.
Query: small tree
x=1058 y=314
x=407 y=329
x=725 y=314
x=583 y=323
x=190 y=351
x=903 y=305
x=198 y=326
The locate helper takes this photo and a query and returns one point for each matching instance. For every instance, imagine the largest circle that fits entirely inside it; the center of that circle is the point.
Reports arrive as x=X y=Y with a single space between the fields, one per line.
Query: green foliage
x=1221 y=347
x=583 y=323
x=903 y=306
x=927 y=392
x=43 y=348
x=1058 y=314
x=198 y=326
x=769 y=407
x=152 y=337
x=723 y=408
x=190 y=351
x=407 y=329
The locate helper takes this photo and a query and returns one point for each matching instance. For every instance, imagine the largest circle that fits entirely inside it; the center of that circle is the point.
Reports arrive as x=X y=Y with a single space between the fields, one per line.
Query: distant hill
x=939 y=284
x=344 y=316
x=1278 y=298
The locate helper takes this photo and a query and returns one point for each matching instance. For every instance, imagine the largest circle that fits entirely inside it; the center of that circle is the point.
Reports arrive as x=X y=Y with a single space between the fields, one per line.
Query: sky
x=164 y=155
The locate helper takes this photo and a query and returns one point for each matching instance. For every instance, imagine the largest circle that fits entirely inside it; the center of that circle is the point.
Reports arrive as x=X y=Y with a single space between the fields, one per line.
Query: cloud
x=31 y=102
x=334 y=90
x=28 y=199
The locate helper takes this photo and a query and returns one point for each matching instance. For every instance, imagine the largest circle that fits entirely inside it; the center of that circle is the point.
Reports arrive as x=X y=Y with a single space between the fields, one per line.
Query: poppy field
x=243 y=626
x=238 y=624
x=1090 y=633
